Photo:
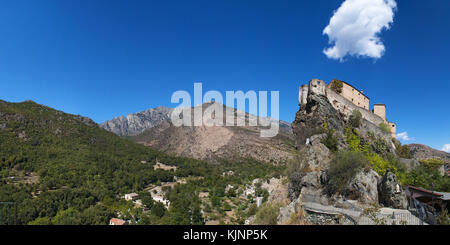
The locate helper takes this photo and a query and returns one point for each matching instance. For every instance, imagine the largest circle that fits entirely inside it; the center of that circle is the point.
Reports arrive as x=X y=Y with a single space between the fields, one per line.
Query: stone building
x=351 y=93
x=346 y=98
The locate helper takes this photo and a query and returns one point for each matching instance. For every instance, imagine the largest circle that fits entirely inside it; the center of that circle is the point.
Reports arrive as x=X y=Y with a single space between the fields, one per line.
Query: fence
x=391 y=219
x=360 y=216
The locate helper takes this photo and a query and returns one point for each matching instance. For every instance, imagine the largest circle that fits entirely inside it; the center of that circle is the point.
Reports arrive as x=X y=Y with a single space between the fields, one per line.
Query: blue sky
x=106 y=58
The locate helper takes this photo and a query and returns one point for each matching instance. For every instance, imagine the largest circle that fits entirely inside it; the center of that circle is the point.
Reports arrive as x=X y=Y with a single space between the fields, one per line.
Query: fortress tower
x=380 y=110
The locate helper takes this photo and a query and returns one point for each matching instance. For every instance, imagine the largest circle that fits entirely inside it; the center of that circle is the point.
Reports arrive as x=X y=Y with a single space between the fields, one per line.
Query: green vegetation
x=64 y=169
x=384 y=127
x=380 y=160
x=443 y=218
x=330 y=141
x=426 y=173
x=432 y=164
x=355 y=119
x=401 y=150
x=267 y=214
x=343 y=168
x=337 y=86
x=354 y=141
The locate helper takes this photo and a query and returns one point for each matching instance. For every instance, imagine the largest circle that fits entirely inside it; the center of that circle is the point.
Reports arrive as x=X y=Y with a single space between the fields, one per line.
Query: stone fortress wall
x=354 y=95
x=346 y=106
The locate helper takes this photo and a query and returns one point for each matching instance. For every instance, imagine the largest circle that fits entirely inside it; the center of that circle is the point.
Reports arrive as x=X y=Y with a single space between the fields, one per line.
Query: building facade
x=351 y=93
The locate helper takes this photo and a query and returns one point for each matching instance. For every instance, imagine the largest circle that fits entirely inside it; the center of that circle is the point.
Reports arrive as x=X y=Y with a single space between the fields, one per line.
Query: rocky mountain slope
x=154 y=128
x=419 y=152
x=213 y=143
x=137 y=123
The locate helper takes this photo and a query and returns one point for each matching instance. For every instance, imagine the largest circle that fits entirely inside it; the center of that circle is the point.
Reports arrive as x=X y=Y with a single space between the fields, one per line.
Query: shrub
x=379 y=164
x=384 y=127
x=443 y=218
x=331 y=141
x=401 y=150
x=355 y=119
x=343 y=169
x=252 y=209
x=432 y=163
x=354 y=140
x=267 y=214
x=380 y=146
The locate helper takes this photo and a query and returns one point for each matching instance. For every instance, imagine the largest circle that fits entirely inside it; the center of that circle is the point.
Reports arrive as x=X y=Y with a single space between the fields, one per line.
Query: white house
x=131 y=196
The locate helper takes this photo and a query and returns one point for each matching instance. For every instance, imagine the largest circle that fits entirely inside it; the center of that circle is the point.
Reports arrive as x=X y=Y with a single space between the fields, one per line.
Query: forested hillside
x=64 y=169
x=51 y=161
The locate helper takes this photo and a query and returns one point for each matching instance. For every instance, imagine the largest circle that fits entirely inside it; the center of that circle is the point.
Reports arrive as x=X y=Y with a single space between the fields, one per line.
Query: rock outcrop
x=309 y=185
x=134 y=124
x=419 y=152
x=390 y=192
x=364 y=187
x=318 y=111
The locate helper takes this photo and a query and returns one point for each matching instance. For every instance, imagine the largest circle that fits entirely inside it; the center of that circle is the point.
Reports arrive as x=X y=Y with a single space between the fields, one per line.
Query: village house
x=161 y=199
x=115 y=221
x=131 y=196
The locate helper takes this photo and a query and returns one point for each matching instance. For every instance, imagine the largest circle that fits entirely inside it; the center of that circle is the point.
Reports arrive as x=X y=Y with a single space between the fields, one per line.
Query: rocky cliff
x=325 y=138
x=137 y=123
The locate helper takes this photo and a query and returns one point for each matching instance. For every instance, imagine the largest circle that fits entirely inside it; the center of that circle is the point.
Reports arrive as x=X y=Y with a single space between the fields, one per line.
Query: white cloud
x=446 y=148
x=404 y=136
x=355 y=26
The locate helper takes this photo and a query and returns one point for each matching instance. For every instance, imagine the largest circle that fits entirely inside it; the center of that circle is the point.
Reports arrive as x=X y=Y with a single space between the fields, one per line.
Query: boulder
x=364 y=187
x=390 y=192
x=286 y=212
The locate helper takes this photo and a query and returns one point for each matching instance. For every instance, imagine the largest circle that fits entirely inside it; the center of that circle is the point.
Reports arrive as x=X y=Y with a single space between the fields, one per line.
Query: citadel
x=345 y=98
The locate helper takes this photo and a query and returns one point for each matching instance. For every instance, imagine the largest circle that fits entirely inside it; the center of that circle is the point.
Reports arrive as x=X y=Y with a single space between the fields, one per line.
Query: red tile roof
x=117 y=221
x=425 y=190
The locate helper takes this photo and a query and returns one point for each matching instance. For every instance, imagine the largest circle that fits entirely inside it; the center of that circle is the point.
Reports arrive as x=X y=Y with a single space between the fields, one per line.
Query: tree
x=158 y=209
x=355 y=118
x=69 y=216
x=337 y=85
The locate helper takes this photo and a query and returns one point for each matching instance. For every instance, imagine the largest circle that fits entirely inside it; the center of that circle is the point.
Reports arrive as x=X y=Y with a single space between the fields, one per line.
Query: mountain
x=54 y=164
x=419 y=151
x=134 y=124
x=203 y=142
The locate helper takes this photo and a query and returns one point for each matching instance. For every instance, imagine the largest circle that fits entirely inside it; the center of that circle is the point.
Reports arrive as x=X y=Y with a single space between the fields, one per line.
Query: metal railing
x=319 y=204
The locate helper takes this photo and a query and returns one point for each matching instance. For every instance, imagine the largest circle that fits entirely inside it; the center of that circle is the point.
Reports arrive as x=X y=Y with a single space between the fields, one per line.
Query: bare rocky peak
x=419 y=151
x=137 y=123
x=134 y=124
x=213 y=143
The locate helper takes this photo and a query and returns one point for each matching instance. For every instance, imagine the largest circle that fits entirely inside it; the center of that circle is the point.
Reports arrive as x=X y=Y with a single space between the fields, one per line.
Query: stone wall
x=352 y=94
x=346 y=107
